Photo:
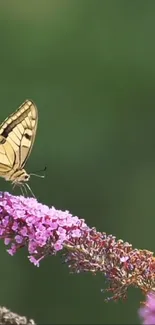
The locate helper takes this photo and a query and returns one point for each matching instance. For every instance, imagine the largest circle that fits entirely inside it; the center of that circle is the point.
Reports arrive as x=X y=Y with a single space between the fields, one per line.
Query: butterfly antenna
x=40 y=176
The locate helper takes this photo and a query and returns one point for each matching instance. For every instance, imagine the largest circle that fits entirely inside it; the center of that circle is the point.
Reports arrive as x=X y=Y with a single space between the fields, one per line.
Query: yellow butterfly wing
x=17 y=135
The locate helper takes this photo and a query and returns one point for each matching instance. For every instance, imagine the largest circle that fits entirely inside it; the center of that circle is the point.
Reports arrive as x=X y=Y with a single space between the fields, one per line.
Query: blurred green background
x=90 y=68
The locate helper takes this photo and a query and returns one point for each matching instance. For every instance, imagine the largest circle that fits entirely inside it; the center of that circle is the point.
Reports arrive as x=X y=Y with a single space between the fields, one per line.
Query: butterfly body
x=17 y=176
x=17 y=135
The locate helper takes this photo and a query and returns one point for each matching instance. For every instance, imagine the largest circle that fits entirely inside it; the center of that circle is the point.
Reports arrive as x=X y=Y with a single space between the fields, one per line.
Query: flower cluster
x=45 y=231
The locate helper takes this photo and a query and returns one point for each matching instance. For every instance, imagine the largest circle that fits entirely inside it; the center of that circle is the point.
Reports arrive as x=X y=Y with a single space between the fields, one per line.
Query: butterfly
x=17 y=135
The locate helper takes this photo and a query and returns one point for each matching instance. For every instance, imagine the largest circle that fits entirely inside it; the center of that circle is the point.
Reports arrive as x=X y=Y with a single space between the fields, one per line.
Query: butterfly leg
x=29 y=188
x=23 y=190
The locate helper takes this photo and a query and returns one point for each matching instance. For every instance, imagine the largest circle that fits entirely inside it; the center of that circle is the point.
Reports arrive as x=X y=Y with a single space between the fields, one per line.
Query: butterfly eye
x=26 y=177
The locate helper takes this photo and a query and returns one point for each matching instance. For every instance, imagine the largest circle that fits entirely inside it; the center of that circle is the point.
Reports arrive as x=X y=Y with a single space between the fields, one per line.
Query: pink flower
x=147 y=312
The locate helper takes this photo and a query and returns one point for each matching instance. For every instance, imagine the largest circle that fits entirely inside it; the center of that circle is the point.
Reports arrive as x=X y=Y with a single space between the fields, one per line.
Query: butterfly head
x=24 y=177
x=20 y=178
